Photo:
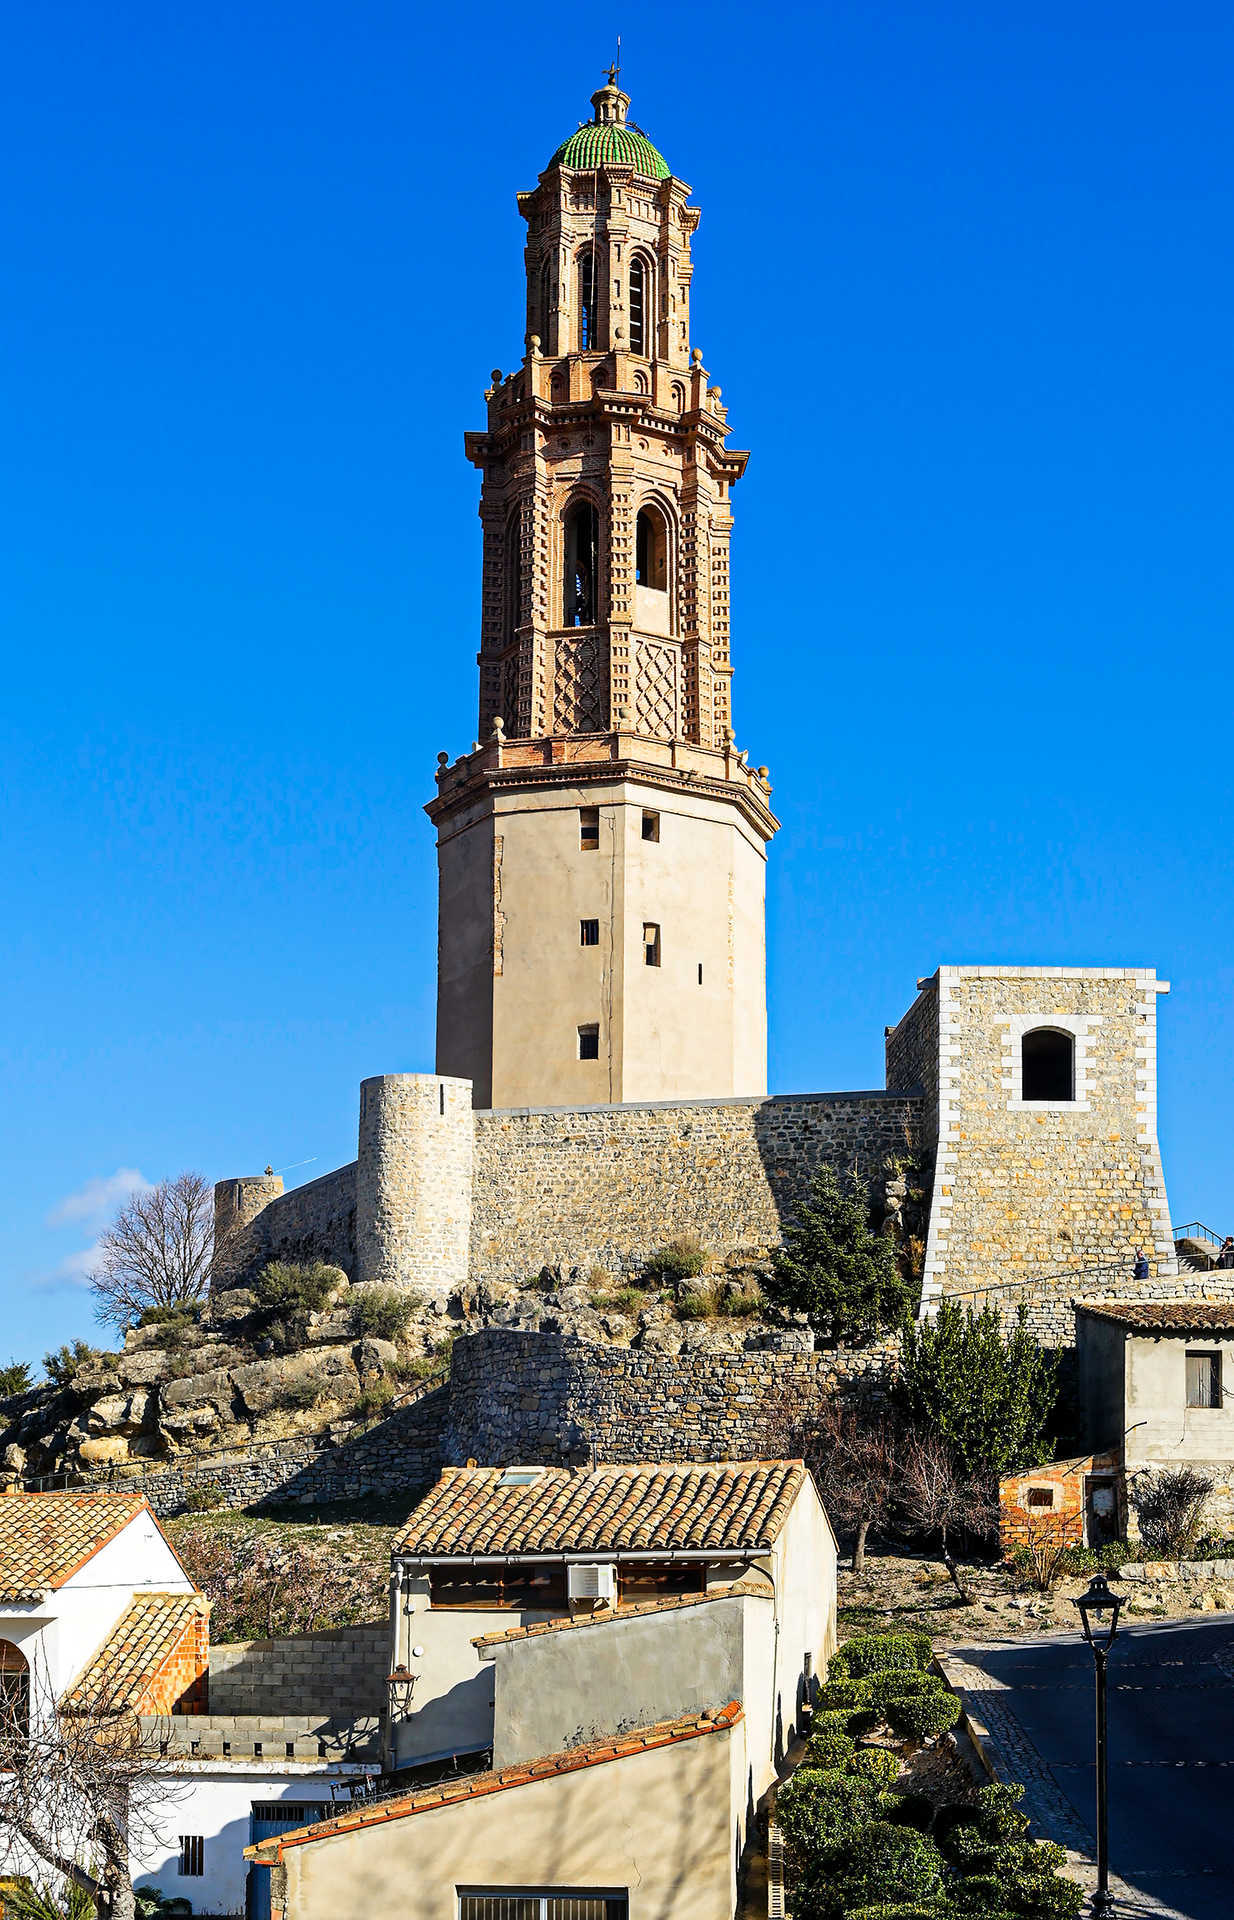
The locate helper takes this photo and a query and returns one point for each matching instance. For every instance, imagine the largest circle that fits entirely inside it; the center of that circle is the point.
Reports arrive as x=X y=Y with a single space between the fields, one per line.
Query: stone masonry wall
x=610 y=1184
x=541 y=1399
x=340 y=1673
x=314 y=1222
x=912 y=1055
x=1046 y=1200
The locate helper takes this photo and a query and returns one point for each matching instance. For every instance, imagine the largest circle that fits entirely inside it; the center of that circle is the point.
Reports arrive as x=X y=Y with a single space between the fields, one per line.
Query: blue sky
x=964 y=276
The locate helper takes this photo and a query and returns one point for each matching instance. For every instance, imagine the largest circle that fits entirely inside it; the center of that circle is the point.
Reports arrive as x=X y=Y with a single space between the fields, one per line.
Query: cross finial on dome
x=610 y=104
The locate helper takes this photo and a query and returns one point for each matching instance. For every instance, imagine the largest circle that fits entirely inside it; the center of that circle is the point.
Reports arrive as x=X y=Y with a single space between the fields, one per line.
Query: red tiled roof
x=45 y=1538
x=475 y=1786
x=729 y=1507
x=1164 y=1316
x=757 y=1584
x=150 y=1628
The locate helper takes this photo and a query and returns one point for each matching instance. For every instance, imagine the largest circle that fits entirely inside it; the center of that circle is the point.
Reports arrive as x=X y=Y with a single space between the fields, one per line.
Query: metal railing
x=1196 y=1230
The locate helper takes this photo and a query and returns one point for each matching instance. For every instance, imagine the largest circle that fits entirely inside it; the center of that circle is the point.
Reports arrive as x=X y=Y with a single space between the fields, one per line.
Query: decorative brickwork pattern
x=154 y=1660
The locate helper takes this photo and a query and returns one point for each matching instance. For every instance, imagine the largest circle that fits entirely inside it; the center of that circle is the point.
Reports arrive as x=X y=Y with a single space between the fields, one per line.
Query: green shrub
x=63 y=1364
x=285 y=1286
x=922 y=1717
x=702 y=1305
x=187 y=1314
x=981 y=1896
x=988 y=1392
x=625 y=1300
x=834 y=1267
x=839 y=1693
x=876 y=1652
x=383 y=1312
x=679 y=1259
x=884 y=1855
x=301 y=1393
x=14 y=1379
x=374 y=1399
x=878 y=1765
x=820 y=1814
x=893 y=1910
x=203 y=1500
x=897 y=1683
x=854 y=1720
x=829 y=1748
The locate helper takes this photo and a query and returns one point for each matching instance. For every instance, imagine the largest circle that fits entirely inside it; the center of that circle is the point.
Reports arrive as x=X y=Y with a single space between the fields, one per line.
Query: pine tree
x=835 y=1268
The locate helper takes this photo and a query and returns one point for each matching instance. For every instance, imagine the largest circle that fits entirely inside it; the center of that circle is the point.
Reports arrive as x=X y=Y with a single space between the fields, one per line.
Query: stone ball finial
x=443 y=759
x=533 y=342
x=495 y=376
x=696 y=357
x=499 y=727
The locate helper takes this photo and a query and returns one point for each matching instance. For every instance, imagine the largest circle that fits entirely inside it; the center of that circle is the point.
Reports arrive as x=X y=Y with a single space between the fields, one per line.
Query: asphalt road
x=1171 y=1752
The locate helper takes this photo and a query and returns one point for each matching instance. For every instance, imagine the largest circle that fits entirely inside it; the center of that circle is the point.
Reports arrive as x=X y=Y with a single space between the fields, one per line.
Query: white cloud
x=98 y=1198
x=74 y=1270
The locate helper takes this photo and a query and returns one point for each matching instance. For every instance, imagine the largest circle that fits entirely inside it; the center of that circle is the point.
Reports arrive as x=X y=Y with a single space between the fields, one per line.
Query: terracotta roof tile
x=1165 y=1316
x=729 y=1507
x=149 y=1629
x=756 y=1584
x=46 y=1537
x=475 y=1786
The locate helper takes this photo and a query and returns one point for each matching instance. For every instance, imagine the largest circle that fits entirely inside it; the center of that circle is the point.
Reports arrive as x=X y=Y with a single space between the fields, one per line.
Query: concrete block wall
x=340 y=1673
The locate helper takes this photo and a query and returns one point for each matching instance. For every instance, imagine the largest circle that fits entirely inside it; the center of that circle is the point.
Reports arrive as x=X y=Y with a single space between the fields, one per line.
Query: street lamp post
x=1099 y=1609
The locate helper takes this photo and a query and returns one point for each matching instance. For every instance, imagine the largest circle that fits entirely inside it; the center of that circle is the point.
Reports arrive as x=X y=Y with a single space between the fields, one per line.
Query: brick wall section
x=1064 y=1521
x=539 y=1398
x=610 y=1184
x=340 y=1673
x=181 y=1683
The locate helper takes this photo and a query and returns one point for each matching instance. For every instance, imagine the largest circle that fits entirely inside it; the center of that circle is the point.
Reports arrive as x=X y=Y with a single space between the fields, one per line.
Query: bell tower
x=602 y=849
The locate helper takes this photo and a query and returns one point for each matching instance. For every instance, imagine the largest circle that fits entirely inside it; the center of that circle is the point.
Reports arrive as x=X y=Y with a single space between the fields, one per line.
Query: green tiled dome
x=611 y=146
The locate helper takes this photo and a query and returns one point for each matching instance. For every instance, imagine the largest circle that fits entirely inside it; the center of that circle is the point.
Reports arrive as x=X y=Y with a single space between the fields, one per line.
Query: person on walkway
x=1141 y=1265
x=1225 y=1257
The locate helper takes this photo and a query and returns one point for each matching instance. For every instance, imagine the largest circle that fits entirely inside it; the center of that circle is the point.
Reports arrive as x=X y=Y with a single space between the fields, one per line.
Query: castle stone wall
x=610 y=1184
x=314 y=1222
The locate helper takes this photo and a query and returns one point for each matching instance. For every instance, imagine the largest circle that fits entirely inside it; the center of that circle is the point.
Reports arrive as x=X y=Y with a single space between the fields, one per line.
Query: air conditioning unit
x=595 y=1582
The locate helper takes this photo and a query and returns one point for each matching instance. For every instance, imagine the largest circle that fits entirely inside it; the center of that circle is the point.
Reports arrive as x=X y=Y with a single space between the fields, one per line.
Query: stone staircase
x=1198 y=1247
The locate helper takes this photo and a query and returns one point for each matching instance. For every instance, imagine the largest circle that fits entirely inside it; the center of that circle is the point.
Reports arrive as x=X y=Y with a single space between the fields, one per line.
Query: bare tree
x=939 y=1499
x=82 y=1789
x=854 y=1448
x=156 y=1252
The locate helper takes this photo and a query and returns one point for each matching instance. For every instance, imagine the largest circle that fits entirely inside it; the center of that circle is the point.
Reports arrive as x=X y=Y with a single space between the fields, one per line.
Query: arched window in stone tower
x=651 y=550
x=514 y=575
x=14 y=1689
x=580 y=587
x=586 y=300
x=640 y=304
x=544 y=305
x=1047 y=1063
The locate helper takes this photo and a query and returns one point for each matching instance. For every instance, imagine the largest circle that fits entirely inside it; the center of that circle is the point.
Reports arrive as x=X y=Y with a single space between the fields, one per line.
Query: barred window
x=554 y=1904
x=192 y=1855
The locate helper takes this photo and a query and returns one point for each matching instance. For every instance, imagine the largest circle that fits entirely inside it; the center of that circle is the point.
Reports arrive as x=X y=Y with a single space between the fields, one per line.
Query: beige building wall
x=516 y=982
x=665 y=1824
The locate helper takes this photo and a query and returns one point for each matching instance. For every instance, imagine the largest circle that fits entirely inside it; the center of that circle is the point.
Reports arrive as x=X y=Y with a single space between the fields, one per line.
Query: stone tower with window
x=602 y=849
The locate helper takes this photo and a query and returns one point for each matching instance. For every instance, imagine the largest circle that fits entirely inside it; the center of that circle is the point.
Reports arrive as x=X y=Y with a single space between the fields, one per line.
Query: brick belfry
x=602 y=850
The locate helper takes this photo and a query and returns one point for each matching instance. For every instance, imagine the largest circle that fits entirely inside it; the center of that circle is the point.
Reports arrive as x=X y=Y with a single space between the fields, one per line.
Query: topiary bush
x=896 y=1683
x=828 y=1748
x=907 y=1810
x=923 y=1716
x=883 y=1856
x=982 y=1896
x=839 y=1693
x=875 y=1652
x=876 y=1764
x=893 y=1910
x=820 y=1812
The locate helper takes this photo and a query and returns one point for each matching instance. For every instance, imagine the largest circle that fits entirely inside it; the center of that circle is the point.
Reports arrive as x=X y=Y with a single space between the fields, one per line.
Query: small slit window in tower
x=651 y=551
x=651 y=943
x=1047 y=1064
x=582 y=550
x=1203 y=1379
x=514 y=575
x=589 y=933
x=586 y=301
x=700 y=973
x=589 y=1042
x=651 y=826
x=544 y=317
x=638 y=305
x=679 y=397
x=589 y=829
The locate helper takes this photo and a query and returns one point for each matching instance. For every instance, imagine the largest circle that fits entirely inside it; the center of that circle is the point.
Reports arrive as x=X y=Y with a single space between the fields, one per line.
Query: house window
x=1047 y=1061
x=14 y=1692
x=1203 y=1379
x=554 y=1903
x=651 y=826
x=651 y=943
x=1041 y=1496
x=192 y=1855
x=589 y=1043
x=582 y=550
x=589 y=933
x=503 y=1587
x=589 y=829
x=659 y=1579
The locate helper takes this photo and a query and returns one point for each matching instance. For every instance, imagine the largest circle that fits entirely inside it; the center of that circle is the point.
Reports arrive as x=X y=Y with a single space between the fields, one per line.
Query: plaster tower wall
x=413 y=1181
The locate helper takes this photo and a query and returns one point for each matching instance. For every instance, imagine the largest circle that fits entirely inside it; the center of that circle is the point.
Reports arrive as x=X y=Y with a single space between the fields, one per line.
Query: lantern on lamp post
x=1099 y=1610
